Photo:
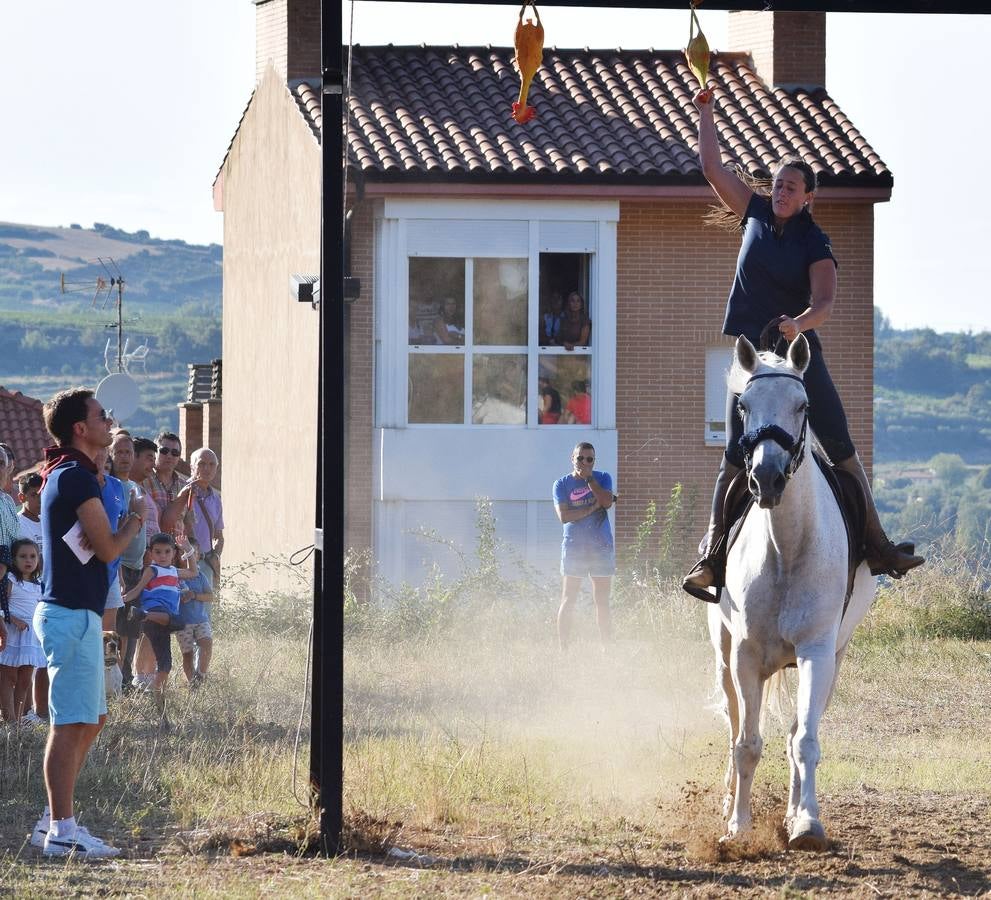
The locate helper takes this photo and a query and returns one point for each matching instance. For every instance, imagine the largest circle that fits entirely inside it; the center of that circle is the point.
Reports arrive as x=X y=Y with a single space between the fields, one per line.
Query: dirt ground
x=910 y=845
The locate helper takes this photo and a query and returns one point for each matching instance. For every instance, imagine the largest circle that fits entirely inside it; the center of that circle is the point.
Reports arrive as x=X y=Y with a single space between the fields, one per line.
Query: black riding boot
x=702 y=576
x=883 y=557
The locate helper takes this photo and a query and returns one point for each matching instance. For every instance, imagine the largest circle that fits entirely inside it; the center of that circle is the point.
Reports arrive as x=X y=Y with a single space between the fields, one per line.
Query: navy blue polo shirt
x=772 y=273
x=66 y=581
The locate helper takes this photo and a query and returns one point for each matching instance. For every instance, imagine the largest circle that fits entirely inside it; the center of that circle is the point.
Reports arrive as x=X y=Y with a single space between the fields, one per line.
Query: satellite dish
x=119 y=393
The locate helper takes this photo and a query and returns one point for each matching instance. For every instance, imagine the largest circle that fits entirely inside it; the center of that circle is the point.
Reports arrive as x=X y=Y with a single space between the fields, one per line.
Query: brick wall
x=673 y=277
x=213 y=421
x=271 y=229
x=191 y=427
x=287 y=32
x=270 y=36
x=303 y=47
x=788 y=48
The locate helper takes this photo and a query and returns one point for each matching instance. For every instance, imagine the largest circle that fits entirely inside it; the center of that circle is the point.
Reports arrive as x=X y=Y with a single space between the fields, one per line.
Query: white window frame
x=515 y=463
x=546 y=231
x=717 y=363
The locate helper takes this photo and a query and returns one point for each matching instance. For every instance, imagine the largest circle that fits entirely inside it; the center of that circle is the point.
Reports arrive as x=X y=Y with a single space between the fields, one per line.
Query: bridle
x=795 y=448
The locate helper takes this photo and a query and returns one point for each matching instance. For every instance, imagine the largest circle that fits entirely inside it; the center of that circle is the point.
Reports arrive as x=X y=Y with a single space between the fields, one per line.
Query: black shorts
x=161 y=643
x=826 y=416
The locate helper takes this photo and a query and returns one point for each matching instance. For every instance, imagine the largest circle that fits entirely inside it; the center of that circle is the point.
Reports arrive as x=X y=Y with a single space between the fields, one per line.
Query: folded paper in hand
x=74 y=539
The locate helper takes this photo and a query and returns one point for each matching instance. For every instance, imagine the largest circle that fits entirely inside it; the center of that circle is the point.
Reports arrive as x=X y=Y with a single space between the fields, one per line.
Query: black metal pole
x=327 y=705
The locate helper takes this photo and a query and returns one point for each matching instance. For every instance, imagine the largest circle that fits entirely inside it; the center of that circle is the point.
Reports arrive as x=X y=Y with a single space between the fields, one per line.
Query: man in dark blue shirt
x=78 y=546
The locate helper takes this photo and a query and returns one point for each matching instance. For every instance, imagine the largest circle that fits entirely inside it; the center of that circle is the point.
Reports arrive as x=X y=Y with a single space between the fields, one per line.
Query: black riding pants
x=826 y=416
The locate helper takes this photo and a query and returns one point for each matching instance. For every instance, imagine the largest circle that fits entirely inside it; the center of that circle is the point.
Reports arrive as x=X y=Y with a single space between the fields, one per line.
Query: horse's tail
x=776 y=700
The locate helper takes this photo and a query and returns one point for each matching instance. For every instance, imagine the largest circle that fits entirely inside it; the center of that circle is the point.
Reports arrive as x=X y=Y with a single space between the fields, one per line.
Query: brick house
x=602 y=193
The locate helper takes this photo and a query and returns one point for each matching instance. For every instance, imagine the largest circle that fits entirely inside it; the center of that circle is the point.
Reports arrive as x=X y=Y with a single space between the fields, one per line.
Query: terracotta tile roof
x=23 y=427
x=623 y=116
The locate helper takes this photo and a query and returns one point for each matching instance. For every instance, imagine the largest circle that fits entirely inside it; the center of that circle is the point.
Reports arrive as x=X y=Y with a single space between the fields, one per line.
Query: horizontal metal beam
x=948 y=7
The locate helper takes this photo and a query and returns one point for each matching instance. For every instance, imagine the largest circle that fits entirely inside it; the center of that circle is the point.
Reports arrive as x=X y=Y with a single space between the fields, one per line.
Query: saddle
x=849 y=496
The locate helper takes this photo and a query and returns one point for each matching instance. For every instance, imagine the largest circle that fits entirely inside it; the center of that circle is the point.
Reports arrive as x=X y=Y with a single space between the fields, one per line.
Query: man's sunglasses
x=588 y=459
x=168 y=450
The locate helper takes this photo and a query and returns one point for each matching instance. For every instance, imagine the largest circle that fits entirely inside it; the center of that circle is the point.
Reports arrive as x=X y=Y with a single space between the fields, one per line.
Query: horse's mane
x=737 y=377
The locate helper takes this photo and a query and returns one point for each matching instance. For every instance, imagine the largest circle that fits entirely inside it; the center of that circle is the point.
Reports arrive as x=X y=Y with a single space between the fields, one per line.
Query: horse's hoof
x=807 y=835
x=736 y=830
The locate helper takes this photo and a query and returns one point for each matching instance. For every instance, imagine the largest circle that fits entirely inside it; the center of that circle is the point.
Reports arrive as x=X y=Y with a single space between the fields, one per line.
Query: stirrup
x=701 y=593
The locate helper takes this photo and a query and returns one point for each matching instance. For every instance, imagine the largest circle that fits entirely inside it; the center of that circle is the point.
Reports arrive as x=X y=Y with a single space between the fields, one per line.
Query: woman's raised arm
x=728 y=187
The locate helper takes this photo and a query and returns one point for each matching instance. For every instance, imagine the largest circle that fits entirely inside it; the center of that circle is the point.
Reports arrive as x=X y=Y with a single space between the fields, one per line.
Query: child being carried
x=158 y=588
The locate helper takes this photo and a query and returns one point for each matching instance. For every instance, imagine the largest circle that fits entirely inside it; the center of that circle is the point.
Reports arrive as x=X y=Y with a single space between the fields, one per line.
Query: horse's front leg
x=749 y=684
x=816 y=675
x=733 y=714
x=794 y=782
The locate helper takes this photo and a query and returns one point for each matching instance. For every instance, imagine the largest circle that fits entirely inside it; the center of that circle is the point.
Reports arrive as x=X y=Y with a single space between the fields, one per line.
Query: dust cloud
x=489 y=709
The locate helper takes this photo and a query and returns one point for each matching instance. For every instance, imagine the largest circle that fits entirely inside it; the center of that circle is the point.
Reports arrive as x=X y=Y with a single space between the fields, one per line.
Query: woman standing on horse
x=785 y=272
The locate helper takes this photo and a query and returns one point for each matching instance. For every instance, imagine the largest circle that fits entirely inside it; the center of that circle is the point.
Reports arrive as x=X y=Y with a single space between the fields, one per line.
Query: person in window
x=421 y=324
x=549 y=411
x=578 y=410
x=449 y=326
x=574 y=326
x=785 y=274
x=550 y=319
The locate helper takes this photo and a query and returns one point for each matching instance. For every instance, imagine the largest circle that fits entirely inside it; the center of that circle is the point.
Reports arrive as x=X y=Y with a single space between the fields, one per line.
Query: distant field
x=71 y=247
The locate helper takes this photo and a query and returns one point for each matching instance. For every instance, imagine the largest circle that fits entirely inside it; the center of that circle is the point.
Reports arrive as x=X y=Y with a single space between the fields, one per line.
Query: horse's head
x=774 y=408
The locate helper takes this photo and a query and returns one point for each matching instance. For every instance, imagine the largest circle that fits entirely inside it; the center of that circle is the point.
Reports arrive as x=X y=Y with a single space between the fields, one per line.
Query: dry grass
x=487 y=762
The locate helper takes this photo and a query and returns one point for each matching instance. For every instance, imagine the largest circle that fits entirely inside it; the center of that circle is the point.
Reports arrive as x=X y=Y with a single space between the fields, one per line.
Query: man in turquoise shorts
x=78 y=545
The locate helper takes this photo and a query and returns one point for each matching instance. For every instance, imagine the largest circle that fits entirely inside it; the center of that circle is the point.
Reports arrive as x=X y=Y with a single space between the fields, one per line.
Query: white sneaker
x=81 y=844
x=40 y=833
x=32 y=718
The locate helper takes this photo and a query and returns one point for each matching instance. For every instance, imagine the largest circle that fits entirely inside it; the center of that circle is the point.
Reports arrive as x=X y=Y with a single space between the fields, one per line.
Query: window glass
x=498 y=389
x=499 y=296
x=469 y=322
x=437 y=388
x=564 y=321
x=436 y=301
x=563 y=390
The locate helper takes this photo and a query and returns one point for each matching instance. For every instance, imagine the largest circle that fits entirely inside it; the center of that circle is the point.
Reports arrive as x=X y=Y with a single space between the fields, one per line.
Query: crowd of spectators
x=103 y=544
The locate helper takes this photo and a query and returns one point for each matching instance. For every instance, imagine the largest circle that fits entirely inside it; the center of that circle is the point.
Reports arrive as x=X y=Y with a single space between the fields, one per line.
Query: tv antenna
x=107 y=286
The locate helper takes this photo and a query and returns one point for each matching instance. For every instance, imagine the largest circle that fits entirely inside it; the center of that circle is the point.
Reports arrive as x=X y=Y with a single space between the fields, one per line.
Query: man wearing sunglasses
x=164 y=483
x=78 y=545
x=581 y=499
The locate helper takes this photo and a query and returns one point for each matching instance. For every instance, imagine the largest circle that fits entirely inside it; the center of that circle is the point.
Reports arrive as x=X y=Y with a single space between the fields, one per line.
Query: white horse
x=786 y=580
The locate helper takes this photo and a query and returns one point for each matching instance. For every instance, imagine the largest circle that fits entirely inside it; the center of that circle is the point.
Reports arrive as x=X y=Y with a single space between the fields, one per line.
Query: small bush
x=947 y=598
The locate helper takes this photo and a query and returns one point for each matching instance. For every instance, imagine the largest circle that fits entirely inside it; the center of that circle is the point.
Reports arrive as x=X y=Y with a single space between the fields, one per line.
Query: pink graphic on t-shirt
x=580 y=493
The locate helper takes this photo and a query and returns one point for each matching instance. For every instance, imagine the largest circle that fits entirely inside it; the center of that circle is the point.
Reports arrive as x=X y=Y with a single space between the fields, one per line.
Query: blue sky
x=120 y=112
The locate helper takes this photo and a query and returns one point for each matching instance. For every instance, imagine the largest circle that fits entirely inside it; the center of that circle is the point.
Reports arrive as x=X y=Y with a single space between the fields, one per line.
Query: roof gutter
x=613 y=191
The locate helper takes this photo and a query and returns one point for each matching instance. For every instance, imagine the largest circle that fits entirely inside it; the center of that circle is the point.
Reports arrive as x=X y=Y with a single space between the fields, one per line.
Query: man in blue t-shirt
x=78 y=545
x=581 y=499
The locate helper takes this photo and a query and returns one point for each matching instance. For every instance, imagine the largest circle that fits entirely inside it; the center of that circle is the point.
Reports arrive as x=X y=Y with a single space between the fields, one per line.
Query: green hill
x=932 y=394
x=50 y=340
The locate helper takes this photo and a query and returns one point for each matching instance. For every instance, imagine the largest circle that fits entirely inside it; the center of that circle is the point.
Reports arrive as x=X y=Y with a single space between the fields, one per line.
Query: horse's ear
x=799 y=354
x=746 y=355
